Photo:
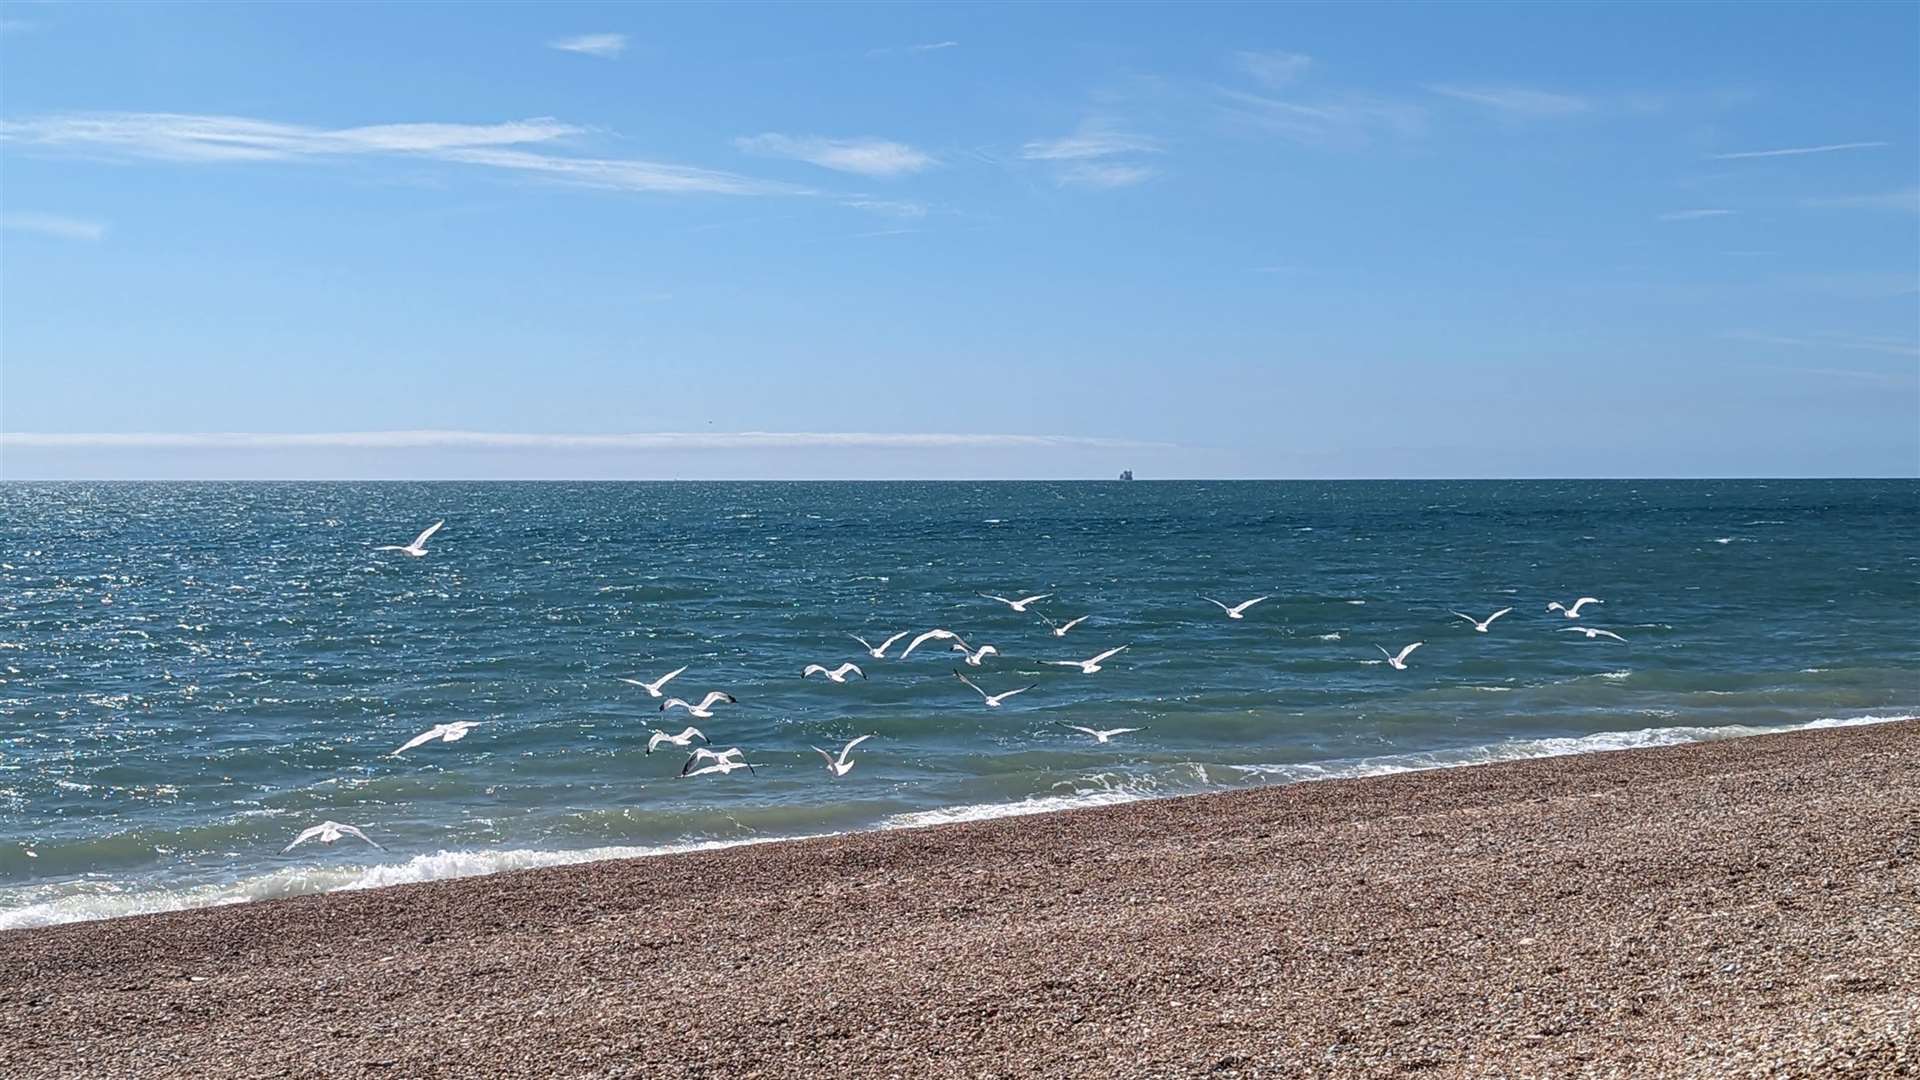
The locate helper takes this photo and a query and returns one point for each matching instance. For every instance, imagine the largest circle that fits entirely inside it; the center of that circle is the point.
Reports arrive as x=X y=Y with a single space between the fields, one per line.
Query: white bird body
x=1574 y=611
x=684 y=738
x=879 y=652
x=1102 y=736
x=1592 y=633
x=453 y=732
x=842 y=765
x=1060 y=629
x=327 y=832
x=1020 y=604
x=1481 y=624
x=976 y=655
x=993 y=700
x=419 y=545
x=931 y=635
x=1088 y=667
x=724 y=762
x=704 y=710
x=1400 y=662
x=838 y=674
x=1237 y=611
x=653 y=688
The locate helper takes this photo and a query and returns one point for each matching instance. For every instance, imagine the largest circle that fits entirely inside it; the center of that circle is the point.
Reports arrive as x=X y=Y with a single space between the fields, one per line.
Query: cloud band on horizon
x=487 y=440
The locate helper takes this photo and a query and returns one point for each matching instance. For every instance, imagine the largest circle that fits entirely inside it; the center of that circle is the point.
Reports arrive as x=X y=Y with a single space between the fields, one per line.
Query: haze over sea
x=192 y=673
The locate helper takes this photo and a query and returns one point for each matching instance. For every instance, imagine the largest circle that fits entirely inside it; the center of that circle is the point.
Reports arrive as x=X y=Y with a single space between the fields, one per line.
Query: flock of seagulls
x=732 y=759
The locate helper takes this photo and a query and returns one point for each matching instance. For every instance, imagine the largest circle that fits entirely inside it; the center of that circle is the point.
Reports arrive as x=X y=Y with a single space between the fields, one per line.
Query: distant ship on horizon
x=1126 y=474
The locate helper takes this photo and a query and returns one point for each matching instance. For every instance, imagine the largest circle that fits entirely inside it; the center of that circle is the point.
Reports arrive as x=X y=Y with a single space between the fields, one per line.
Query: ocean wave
x=97 y=899
x=1529 y=749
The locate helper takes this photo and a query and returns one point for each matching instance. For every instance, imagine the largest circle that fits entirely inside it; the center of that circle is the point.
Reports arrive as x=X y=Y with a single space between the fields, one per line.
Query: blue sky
x=964 y=241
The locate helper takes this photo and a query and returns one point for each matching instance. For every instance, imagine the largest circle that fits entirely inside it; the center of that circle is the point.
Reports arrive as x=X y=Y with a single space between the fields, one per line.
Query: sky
x=965 y=241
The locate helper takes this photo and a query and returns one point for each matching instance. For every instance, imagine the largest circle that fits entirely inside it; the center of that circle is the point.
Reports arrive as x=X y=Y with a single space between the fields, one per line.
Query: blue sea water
x=190 y=674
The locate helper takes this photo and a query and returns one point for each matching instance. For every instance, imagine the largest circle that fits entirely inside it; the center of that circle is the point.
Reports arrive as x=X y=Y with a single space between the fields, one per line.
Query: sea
x=193 y=673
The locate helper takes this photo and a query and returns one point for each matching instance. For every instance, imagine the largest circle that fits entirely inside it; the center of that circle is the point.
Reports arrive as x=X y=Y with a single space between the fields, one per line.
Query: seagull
x=841 y=766
x=1102 y=736
x=724 y=762
x=682 y=739
x=1400 y=662
x=419 y=545
x=879 y=652
x=974 y=657
x=1237 y=611
x=993 y=700
x=1020 y=604
x=838 y=674
x=931 y=635
x=704 y=710
x=1478 y=624
x=1574 y=611
x=453 y=732
x=1088 y=667
x=1592 y=633
x=653 y=688
x=327 y=832
x=1060 y=629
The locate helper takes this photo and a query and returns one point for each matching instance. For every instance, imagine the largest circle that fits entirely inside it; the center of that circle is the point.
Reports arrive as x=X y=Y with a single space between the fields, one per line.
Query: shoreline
x=454 y=864
x=1659 y=911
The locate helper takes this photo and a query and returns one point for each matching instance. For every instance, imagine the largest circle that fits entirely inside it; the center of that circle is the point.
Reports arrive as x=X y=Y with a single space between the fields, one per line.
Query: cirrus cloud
x=865 y=156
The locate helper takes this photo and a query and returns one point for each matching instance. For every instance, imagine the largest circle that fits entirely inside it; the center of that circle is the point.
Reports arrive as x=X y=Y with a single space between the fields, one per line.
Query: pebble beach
x=1748 y=907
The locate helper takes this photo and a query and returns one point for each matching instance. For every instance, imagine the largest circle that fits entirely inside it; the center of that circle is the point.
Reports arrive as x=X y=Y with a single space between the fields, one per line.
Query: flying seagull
x=724 y=762
x=1592 y=633
x=704 y=710
x=975 y=656
x=993 y=700
x=1088 y=667
x=1481 y=624
x=1102 y=736
x=419 y=545
x=1399 y=662
x=327 y=832
x=1237 y=611
x=453 y=732
x=1574 y=611
x=682 y=739
x=838 y=674
x=1060 y=629
x=931 y=635
x=1020 y=604
x=879 y=652
x=653 y=688
x=843 y=765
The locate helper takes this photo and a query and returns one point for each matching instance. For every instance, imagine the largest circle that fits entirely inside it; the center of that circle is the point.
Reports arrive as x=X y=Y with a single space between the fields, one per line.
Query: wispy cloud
x=1094 y=139
x=1907 y=199
x=1849 y=342
x=1353 y=120
x=1694 y=215
x=1098 y=174
x=865 y=156
x=1517 y=101
x=487 y=440
x=605 y=46
x=897 y=50
x=895 y=208
x=1273 y=67
x=213 y=139
x=56 y=225
x=1099 y=154
x=1793 y=151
